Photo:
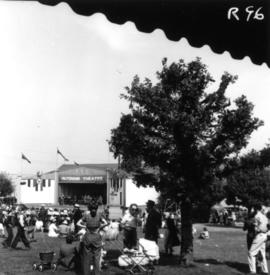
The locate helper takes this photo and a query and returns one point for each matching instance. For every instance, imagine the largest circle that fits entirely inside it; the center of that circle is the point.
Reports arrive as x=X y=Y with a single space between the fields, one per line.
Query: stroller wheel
x=40 y=268
x=54 y=267
x=34 y=266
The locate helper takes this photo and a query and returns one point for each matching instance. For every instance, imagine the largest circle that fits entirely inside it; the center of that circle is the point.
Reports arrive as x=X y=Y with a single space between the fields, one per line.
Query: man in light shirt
x=258 y=244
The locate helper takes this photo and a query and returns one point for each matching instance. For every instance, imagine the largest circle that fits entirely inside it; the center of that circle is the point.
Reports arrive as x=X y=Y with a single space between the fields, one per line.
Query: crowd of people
x=90 y=228
x=21 y=224
x=226 y=217
x=84 y=199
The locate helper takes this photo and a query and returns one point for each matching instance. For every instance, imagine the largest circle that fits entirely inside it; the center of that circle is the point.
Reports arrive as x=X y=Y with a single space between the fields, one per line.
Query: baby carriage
x=46 y=262
x=140 y=261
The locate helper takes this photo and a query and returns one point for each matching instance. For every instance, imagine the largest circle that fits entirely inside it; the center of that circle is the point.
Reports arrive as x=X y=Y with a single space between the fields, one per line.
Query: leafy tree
x=179 y=138
x=249 y=181
x=6 y=187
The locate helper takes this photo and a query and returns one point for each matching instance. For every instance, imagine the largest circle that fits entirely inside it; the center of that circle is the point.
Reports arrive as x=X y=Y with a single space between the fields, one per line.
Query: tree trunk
x=186 y=252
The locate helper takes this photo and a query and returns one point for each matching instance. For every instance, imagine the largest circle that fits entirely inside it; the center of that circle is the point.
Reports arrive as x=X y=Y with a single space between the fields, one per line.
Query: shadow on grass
x=238 y=266
x=165 y=260
x=112 y=255
x=241 y=267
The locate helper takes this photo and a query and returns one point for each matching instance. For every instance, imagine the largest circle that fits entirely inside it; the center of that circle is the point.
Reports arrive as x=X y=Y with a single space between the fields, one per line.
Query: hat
x=65 y=212
x=150 y=203
x=28 y=212
x=133 y=206
x=76 y=205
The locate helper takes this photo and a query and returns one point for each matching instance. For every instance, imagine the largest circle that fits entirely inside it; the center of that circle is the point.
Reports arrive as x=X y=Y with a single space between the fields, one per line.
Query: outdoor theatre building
x=101 y=181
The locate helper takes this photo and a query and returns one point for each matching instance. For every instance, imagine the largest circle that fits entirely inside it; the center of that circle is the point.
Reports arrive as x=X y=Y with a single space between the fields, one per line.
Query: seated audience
x=64 y=229
x=53 y=230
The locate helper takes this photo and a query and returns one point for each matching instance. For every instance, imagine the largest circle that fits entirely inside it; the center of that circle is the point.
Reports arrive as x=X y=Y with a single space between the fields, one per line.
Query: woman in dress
x=91 y=244
x=171 y=234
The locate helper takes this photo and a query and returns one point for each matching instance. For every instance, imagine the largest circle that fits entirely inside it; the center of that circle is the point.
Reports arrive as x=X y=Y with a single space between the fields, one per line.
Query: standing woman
x=90 y=248
x=129 y=224
x=171 y=234
x=153 y=222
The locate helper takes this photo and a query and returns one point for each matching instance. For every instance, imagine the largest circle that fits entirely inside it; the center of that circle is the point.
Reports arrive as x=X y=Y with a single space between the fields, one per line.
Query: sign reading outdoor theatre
x=82 y=179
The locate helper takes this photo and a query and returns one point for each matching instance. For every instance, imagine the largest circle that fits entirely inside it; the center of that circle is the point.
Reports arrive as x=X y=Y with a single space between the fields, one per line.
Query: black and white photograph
x=135 y=137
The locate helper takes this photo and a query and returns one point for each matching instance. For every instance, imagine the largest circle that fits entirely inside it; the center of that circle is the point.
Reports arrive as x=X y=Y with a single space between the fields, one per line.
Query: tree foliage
x=178 y=130
x=6 y=187
x=180 y=138
x=249 y=180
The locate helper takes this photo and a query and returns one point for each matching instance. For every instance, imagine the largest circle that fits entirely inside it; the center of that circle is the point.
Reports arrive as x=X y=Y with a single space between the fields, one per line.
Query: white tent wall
x=31 y=194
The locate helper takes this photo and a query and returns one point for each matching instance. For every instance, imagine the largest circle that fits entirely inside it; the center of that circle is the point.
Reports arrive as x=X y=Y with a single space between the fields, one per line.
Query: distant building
x=102 y=181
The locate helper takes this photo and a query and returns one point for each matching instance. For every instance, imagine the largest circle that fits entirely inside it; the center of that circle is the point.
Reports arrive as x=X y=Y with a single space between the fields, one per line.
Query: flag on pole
x=76 y=163
x=58 y=152
x=25 y=158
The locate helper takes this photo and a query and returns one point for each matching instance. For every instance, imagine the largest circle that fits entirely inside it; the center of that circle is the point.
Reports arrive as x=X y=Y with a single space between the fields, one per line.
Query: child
x=204 y=234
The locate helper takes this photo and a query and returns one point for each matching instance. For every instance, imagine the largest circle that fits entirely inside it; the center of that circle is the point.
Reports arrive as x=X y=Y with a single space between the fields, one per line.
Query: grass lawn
x=224 y=253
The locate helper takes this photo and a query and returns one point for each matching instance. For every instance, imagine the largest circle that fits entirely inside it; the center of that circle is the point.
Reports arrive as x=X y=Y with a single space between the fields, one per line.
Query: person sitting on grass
x=53 y=230
x=204 y=234
x=68 y=254
x=64 y=229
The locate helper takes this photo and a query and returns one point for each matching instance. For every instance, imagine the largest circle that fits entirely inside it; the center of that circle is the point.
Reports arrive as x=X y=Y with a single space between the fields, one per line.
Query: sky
x=61 y=76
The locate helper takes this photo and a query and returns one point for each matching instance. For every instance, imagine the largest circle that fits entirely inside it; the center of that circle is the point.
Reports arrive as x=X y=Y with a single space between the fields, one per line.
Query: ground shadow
x=168 y=260
x=241 y=267
x=112 y=255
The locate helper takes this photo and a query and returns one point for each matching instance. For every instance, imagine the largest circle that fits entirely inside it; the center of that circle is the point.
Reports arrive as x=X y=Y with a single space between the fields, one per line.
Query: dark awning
x=201 y=22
